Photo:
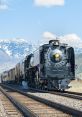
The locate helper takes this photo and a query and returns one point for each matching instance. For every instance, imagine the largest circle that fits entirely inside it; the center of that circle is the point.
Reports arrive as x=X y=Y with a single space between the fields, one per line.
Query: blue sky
x=26 y=19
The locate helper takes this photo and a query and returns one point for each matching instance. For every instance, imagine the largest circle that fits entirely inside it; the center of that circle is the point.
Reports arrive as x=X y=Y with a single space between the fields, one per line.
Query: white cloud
x=3 y=5
x=49 y=2
x=46 y=36
x=49 y=35
x=70 y=39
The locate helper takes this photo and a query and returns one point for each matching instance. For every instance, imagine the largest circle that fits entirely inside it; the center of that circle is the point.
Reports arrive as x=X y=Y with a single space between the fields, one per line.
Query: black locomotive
x=51 y=66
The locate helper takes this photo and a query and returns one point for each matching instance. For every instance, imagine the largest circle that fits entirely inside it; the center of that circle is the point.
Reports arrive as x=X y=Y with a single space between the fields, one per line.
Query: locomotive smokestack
x=54 y=42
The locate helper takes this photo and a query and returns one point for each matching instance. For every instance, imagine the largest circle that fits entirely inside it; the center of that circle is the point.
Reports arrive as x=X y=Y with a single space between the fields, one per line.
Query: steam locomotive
x=51 y=66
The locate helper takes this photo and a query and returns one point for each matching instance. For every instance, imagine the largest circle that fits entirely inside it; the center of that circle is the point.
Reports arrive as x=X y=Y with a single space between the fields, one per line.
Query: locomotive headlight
x=56 y=56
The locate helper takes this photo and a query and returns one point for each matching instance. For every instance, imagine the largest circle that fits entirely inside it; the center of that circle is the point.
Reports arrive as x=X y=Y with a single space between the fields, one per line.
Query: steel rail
x=26 y=112
x=55 y=105
x=75 y=93
x=65 y=94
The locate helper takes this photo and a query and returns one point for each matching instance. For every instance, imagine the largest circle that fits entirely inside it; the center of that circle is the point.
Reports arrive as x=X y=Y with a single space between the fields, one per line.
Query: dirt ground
x=76 y=86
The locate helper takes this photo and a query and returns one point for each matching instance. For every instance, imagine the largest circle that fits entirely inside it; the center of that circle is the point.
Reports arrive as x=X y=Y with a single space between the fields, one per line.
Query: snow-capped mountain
x=3 y=56
x=78 y=50
x=12 y=51
x=15 y=48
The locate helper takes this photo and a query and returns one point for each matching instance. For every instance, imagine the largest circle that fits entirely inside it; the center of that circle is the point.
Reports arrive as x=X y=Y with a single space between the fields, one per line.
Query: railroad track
x=33 y=107
x=68 y=94
x=41 y=106
x=7 y=109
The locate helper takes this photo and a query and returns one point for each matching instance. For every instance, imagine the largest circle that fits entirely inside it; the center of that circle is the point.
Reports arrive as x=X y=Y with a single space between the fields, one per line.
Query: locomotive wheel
x=62 y=90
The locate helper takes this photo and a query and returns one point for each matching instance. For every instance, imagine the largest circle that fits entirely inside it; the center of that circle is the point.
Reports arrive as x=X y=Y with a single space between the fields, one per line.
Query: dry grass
x=76 y=86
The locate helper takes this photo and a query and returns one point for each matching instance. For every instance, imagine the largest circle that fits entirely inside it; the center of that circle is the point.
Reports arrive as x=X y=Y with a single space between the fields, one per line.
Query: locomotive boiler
x=51 y=66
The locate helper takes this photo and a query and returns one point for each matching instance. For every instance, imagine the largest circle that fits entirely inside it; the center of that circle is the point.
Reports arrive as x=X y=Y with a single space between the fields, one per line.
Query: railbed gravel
x=72 y=103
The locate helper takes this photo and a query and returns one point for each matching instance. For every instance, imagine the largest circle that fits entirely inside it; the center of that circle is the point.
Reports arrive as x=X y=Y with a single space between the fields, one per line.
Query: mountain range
x=79 y=65
x=15 y=48
x=12 y=51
